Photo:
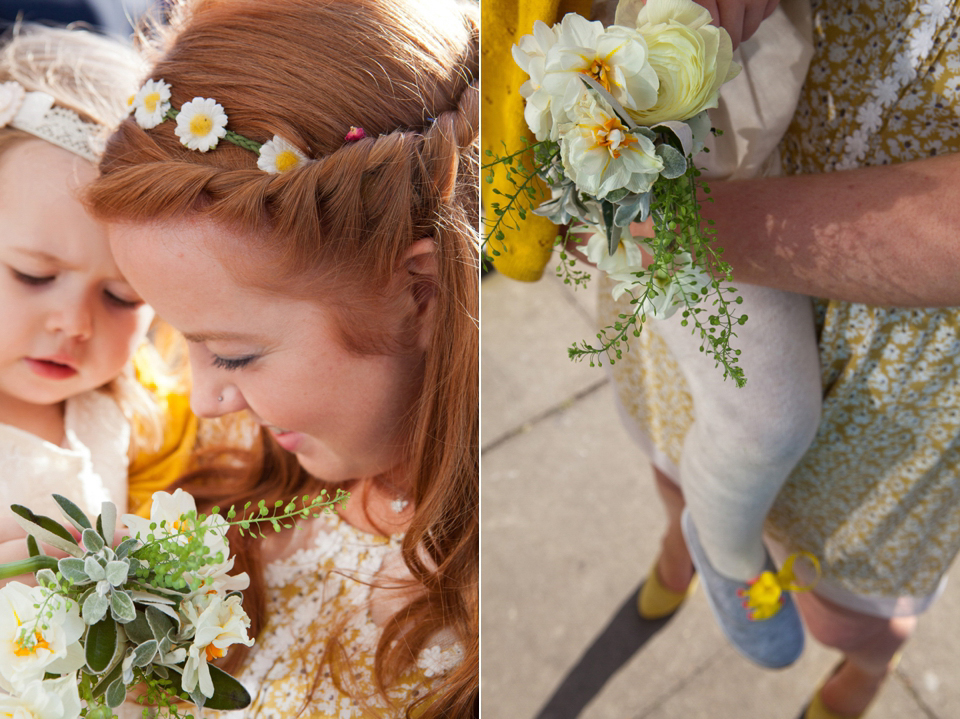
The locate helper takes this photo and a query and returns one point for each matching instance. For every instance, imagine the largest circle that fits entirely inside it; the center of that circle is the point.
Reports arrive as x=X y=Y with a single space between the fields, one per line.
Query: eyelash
x=32 y=281
x=232 y=364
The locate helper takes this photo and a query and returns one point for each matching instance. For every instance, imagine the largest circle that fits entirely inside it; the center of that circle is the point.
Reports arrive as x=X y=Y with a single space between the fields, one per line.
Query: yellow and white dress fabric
x=877 y=497
x=334 y=577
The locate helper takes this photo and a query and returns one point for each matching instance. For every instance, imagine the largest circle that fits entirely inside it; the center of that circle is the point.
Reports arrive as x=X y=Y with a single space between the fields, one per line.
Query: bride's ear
x=419 y=270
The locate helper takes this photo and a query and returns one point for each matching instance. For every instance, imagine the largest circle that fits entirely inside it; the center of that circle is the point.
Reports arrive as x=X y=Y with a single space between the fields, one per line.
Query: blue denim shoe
x=775 y=642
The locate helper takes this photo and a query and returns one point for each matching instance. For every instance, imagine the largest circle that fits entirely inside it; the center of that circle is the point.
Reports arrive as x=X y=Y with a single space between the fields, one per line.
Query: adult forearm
x=885 y=235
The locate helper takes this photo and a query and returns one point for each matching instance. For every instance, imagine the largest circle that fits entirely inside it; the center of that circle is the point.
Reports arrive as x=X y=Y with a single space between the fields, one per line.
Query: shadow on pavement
x=617 y=643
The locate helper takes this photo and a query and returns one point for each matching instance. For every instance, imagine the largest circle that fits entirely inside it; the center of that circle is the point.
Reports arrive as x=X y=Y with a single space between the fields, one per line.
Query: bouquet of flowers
x=148 y=614
x=618 y=114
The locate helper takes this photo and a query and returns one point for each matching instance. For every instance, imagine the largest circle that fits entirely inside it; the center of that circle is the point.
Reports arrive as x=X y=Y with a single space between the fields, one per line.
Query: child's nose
x=73 y=319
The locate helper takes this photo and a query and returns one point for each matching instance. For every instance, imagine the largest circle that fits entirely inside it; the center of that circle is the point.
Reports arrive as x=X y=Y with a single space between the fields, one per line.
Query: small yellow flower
x=280 y=155
x=201 y=124
x=151 y=103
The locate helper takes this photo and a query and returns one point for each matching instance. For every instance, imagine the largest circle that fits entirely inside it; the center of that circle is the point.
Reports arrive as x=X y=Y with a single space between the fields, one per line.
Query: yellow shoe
x=655 y=601
x=817 y=710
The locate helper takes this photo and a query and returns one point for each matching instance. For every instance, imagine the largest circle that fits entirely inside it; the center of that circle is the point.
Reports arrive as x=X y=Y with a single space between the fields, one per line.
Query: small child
x=744 y=442
x=69 y=322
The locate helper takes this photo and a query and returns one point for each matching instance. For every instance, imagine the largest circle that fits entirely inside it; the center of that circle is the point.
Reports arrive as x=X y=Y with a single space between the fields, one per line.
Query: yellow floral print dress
x=328 y=580
x=877 y=496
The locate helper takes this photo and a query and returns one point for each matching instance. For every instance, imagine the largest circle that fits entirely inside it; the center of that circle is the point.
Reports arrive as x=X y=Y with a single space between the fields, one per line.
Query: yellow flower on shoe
x=201 y=124
x=691 y=57
x=151 y=103
x=279 y=155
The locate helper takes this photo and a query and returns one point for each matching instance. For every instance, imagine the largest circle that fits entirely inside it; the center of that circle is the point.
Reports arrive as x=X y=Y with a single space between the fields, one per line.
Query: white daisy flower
x=151 y=103
x=201 y=123
x=11 y=98
x=279 y=155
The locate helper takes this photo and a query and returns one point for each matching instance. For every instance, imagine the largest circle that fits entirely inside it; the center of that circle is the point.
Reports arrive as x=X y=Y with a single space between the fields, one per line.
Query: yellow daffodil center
x=26 y=650
x=214 y=653
x=151 y=101
x=600 y=71
x=613 y=136
x=201 y=124
x=286 y=160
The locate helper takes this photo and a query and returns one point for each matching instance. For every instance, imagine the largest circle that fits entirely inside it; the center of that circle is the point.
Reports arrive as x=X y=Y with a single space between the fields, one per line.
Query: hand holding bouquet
x=150 y=613
x=618 y=114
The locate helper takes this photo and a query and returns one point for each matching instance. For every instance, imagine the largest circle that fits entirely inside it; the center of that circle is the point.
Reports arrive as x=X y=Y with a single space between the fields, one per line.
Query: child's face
x=69 y=321
x=346 y=416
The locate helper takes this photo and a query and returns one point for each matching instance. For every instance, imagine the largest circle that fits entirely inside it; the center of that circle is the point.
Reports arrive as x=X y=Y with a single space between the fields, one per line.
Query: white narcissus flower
x=686 y=282
x=627 y=258
x=530 y=55
x=616 y=57
x=218 y=624
x=691 y=57
x=201 y=123
x=37 y=640
x=279 y=155
x=170 y=509
x=601 y=155
x=51 y=699
x=151 y=103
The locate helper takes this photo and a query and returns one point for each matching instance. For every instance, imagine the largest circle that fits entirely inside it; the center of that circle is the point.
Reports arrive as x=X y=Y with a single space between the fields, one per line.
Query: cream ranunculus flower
x=691 y=57
x=51 y=699
x=615 y=57
x=32 y=643
x=601 y=155
x=530 y=56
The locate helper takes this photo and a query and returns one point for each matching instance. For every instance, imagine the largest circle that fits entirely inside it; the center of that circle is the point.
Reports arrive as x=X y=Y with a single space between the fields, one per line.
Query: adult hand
x=740 y=18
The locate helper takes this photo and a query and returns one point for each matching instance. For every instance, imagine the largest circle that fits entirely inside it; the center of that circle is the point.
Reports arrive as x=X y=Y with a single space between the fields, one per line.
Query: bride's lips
x=288 y=440
x=51 y=368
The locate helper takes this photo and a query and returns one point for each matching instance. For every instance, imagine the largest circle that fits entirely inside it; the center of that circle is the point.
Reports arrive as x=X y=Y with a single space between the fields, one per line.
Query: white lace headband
x=34 y=112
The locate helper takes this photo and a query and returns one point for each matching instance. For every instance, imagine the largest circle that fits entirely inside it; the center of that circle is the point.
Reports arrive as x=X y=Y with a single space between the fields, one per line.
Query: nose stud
x=219 y=399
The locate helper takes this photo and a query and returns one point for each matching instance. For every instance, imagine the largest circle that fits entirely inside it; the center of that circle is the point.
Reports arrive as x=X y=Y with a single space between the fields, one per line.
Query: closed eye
x=122 y=303
x=32 y=280
x=232 y=364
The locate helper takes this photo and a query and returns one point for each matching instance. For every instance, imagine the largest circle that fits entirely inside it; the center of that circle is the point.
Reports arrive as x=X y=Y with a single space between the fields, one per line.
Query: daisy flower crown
x=202 y=123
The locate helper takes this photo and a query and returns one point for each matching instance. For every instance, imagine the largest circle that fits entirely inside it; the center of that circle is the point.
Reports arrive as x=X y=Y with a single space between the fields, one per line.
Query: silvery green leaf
x=121 y=607
x=116 y=693
x=116 y=572
x=143 y=597
x=73 y=513
x=92 y=541
x=127 y=668
x=103 y=587
x=46 y=530
x=161 y=671
x=47 y=578
x=645 y=131
x=93 y=568
x=681 y=131
x=612 y=231
x=197 y=697
x=145 y=653
x=127 y=546
x=139 y=630
x=107 y=521
x=635 y=208
x=73 y=569
x=674 y=163
x=617 y=195
x=94 y=608
x=160 y=625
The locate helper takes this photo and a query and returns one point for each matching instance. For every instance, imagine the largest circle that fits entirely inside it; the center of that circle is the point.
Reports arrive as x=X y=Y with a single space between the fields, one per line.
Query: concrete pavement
x=570 y=526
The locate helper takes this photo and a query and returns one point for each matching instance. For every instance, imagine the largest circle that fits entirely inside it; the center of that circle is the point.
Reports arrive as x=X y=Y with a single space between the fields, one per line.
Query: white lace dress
x=89 y=468
x=324 y=582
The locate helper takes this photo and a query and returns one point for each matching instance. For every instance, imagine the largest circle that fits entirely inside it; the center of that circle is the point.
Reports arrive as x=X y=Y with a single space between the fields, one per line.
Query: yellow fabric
x=525 y=252
x=875 y=498
x=152 y=471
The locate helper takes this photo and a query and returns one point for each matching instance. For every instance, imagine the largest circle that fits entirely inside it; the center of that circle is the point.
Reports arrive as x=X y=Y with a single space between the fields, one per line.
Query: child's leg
x=745 y=441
